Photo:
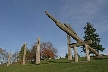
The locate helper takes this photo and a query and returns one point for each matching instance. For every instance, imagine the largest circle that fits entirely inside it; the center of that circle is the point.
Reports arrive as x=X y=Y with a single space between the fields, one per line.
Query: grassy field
x=61 y=65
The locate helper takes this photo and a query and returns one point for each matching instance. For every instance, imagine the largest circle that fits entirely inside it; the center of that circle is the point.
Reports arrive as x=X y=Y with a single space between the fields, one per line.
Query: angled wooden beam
x=69 y=27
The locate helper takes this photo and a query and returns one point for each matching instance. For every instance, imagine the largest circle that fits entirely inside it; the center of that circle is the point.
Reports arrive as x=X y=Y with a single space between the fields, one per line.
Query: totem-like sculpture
x=67 y=29
x=24 y=55
x=9 y=58
x=38 y=51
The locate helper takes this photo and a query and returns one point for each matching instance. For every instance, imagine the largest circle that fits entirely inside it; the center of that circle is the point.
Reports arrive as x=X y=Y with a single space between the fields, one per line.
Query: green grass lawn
x=60 y=65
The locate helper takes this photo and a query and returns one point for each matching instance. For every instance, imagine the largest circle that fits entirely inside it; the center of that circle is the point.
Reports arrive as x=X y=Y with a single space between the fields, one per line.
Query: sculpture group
x=71 y=33
x=37 y=50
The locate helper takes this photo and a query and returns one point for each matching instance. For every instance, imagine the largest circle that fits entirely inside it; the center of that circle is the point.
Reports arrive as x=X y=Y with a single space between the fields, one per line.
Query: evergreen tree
x=66 y=56
x=22 y=49
x=21 y=52
x=90 y=34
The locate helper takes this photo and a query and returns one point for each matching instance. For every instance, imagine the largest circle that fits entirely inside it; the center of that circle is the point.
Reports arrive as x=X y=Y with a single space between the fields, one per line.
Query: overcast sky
x=25 y=20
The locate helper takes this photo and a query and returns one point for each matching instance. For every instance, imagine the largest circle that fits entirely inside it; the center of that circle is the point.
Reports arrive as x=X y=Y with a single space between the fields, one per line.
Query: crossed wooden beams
x=67 y=29
x=74 y=46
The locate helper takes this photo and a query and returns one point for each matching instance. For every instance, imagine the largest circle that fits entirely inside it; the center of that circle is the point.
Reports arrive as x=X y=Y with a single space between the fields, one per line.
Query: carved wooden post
x=9 y=56
x=75 y=54
x=38 y=51
x=69 y=49
x=87 y=52
x=15 y=57
x=24 y=54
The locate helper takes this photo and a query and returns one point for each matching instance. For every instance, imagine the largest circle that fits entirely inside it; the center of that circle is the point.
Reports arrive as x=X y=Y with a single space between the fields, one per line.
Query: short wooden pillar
x=69 y=49
x=75 y=54
x=87 y=52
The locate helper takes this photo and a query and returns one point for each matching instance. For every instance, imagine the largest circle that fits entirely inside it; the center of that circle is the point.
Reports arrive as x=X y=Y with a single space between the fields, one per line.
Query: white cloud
x=92 y=6
x=80 y=12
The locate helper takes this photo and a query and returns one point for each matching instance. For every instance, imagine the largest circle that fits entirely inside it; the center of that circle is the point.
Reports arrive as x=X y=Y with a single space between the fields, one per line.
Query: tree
x=48 y=50
x=0 y=50
x=32 y=54
x=21 y=52
x=28 y=54
x=66 y=56
x=90 y=34
x=15 y=56
x=3 y=55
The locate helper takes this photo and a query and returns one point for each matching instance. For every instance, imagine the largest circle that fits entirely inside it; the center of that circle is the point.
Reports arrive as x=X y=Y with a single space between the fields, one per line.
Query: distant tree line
x=47 y=51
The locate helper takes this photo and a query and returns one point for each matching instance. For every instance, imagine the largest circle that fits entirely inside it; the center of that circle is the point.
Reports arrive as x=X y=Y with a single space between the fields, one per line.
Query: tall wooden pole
x=9 y=56
x=69 y=49
x=38 y=51
x=24 y=55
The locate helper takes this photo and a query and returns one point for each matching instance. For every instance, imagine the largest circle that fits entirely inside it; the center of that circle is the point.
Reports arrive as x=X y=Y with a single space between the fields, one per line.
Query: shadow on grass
x=44 y=63
x=104 y=58
x=101 y=59
x=59 y=62
x=30 y=65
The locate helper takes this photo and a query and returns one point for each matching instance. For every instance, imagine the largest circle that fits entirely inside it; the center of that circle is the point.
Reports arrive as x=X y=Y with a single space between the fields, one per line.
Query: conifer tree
x=66 y=56
x=90 y=34
x=21 y=52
